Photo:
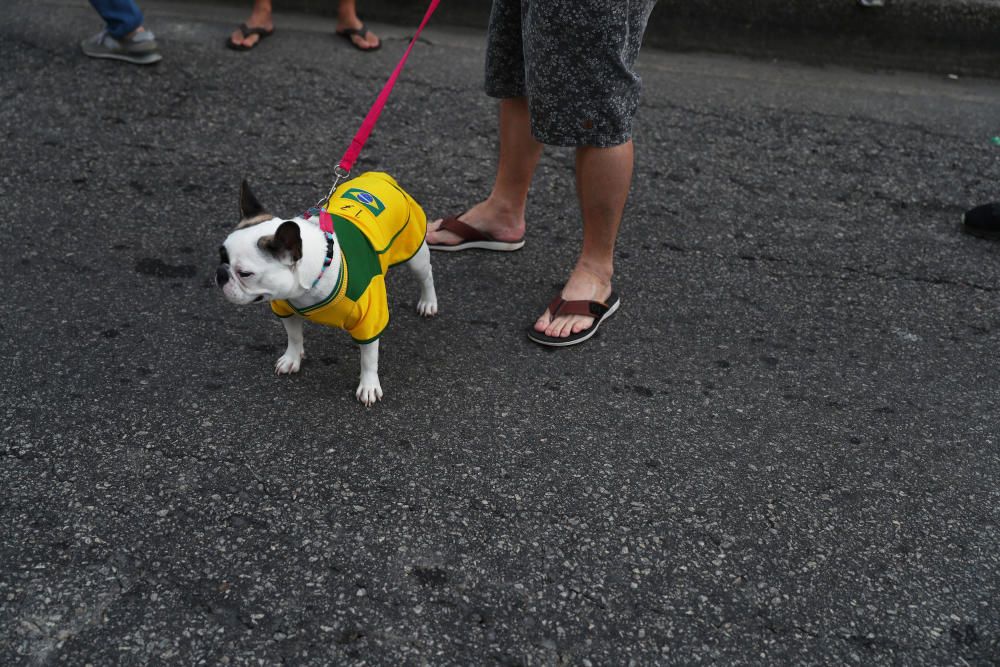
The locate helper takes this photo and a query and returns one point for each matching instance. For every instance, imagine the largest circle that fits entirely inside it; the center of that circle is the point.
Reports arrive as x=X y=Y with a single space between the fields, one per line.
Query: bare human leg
x=347 y=19
x=603 y=178
x=260 y=17
x=501 y=215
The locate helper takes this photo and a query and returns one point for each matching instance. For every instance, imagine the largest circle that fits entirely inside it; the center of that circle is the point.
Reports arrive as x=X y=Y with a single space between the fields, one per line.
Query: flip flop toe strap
x=247 y=31
x=351 y=32
x=462 y=230
x=559 y=306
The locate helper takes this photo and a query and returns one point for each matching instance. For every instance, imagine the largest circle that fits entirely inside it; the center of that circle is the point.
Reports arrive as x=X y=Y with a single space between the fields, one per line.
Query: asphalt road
x=782 y=450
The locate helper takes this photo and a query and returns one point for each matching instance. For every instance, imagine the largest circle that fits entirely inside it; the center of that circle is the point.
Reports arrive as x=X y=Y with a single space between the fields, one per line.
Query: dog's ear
x=285 y=244
x=249 y=206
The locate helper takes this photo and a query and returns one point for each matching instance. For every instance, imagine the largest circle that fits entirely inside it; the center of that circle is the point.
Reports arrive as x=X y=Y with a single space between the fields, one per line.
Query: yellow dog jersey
x=377 y=225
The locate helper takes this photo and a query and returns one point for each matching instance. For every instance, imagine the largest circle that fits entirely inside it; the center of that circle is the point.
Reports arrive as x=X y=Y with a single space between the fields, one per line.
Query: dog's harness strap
x=343 y=169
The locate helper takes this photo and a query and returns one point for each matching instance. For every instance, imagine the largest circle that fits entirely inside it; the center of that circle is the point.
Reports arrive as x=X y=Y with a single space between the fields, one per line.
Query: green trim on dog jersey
x=333 y=293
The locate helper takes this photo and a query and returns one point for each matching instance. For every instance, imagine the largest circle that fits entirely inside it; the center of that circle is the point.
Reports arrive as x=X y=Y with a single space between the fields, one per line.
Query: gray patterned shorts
x=573 y=60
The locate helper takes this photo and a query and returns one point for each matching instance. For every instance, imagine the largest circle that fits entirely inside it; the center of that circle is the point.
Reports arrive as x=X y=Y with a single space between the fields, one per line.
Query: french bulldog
x=328 y=265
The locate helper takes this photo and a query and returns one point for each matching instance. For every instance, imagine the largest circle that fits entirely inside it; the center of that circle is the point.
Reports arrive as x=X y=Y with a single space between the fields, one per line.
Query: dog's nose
x=222 y=275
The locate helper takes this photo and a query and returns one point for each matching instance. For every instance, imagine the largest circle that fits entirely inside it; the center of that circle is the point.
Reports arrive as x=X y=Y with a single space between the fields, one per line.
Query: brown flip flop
x=599 y=310
x=262 y=33
x=472 y=238
x=347 y=33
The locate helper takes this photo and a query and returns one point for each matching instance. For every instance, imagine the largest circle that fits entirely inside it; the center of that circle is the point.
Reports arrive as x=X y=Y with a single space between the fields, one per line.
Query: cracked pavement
x=782 y=450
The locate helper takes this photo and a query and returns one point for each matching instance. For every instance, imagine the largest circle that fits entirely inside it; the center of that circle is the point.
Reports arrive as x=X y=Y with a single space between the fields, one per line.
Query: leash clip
x=339 y=174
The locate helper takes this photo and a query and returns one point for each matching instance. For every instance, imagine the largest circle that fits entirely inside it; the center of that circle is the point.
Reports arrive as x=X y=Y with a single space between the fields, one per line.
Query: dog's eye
x=245 y=274
x=223 y=255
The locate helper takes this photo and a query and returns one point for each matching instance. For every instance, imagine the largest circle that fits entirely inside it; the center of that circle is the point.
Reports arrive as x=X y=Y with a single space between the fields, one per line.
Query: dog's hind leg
x=420 y=264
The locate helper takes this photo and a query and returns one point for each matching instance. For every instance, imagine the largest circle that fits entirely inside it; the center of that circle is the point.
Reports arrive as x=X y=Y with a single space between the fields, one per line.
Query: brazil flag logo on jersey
x=366 y=199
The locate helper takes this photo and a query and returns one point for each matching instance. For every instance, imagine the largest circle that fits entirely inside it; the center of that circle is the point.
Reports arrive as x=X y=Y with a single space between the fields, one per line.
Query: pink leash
x=343 y=169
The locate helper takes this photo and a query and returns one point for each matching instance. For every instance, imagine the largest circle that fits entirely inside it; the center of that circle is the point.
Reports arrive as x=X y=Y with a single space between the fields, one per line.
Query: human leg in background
x=350 y=27
x=260 y=25
x=124 y=37
x=122 y=17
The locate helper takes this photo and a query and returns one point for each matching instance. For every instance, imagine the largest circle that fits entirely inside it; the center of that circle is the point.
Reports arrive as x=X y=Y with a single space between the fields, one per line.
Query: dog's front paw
x=288 y=363
x=427 y=307
x=369 y=391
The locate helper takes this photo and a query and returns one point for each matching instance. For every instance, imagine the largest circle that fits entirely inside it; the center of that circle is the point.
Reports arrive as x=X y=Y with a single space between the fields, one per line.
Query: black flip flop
x=599 y=310
x=983 y=221
x=263 y=33
x=360 y=32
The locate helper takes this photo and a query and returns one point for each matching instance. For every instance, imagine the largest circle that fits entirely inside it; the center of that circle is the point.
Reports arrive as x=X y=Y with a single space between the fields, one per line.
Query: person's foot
x=352 y=29
x=138 y=47
x=257 y=27
x=584 y=284
x=496 y=221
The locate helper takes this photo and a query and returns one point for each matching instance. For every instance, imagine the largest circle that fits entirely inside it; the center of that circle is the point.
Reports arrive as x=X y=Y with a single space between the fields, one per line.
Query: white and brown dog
x=329 y=266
